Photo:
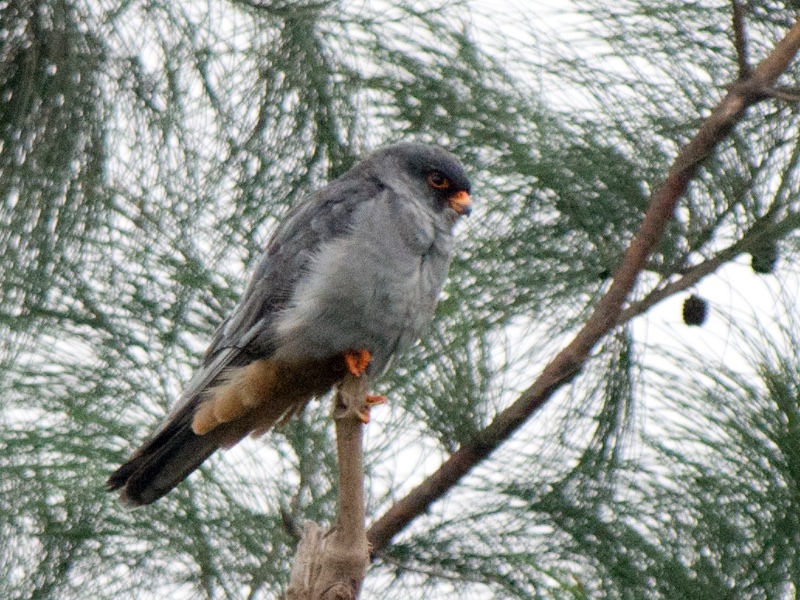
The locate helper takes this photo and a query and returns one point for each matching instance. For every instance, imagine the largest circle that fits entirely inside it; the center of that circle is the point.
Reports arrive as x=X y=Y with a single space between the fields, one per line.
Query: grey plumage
x=357 y=265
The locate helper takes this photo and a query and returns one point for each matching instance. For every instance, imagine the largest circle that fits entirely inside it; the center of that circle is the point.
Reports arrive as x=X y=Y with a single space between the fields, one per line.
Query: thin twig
x=740 y=39
x=785 y=93
x=563 y=368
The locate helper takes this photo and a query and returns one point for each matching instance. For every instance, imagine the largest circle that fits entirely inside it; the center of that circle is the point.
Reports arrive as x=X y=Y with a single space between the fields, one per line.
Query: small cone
x=763 y=258
x=695 y=310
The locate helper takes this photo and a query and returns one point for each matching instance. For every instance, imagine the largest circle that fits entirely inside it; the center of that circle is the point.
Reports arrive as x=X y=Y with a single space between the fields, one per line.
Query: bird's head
x=425 y=171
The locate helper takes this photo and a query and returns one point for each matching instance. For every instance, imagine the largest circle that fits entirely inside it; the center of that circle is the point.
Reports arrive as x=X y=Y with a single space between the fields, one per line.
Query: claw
x=357 y=361
x=372 y=400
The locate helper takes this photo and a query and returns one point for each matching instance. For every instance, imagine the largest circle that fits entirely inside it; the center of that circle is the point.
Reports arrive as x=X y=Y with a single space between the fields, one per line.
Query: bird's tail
x=167 y=459
x=217 y=412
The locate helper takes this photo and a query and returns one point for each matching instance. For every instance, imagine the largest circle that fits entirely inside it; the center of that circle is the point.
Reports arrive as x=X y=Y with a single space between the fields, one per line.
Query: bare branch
x=784 y=93
x=333 y=567
x=740 y=39
x=569 y=361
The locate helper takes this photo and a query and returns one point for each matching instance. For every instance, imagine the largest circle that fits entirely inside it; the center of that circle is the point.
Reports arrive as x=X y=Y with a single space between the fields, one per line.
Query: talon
x=371 y=400
x=357 y=361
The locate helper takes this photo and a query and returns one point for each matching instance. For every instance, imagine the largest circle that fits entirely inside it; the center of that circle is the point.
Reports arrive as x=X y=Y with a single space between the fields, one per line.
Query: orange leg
x=357 y=361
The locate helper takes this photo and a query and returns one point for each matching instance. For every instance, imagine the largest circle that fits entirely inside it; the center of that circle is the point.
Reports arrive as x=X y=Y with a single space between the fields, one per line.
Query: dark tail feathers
x=164 y=461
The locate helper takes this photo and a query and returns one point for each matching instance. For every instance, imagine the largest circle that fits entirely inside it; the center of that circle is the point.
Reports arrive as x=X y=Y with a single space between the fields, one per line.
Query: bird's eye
x=438 y=181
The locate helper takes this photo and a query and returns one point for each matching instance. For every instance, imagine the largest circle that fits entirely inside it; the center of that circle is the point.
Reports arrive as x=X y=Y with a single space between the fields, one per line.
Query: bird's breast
x=374 y=288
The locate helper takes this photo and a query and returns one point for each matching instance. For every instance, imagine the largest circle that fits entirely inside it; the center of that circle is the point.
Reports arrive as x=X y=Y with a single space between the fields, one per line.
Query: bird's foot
x=357 y=361
x=352 y=398
x=369 y=401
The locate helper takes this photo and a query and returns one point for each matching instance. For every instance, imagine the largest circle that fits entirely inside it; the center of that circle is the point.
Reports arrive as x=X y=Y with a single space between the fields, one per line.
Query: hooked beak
x=461 y=203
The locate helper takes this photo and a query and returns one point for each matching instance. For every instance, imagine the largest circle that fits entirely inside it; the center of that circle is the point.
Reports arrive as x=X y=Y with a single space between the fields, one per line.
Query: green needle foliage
x=147 y=150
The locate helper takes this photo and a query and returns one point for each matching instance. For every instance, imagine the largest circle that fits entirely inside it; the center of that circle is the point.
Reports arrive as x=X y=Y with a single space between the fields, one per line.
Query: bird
x=348 y=280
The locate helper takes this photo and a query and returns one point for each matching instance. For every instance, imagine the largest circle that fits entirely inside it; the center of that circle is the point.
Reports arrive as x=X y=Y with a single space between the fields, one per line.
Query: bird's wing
x=174 y=450
x=247 y=334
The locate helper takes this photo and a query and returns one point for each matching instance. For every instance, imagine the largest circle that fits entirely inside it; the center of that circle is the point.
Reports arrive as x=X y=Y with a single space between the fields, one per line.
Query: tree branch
x=568 y=363
x=333 y=567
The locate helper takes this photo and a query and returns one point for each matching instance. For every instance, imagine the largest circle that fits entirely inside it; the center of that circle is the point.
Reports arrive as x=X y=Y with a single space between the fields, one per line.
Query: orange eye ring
x=438 y=181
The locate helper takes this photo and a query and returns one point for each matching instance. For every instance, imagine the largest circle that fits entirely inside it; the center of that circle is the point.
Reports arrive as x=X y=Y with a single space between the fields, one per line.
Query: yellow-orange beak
x=461 y=203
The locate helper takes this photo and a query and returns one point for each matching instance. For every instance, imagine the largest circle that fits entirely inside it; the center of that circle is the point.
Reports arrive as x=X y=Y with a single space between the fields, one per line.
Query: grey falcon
x=350 y=277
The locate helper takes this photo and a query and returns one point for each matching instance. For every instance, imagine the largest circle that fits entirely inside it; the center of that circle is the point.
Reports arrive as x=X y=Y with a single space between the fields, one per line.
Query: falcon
x=350 y=278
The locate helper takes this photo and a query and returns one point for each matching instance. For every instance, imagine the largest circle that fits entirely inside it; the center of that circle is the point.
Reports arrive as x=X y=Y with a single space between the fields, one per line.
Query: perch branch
x=333 y=566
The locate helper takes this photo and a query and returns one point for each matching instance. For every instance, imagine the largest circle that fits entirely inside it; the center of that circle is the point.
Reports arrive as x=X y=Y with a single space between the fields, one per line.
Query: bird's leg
x=357 y=362
x=239 y=391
